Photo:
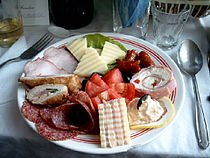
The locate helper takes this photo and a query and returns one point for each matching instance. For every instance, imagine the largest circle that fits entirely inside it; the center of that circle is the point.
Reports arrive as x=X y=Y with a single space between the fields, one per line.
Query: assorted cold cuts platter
x=100 y=92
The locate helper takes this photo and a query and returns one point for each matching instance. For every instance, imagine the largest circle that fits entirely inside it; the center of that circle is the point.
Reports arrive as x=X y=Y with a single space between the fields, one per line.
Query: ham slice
x=61 y=58
x=42 y=67
x=55 y=61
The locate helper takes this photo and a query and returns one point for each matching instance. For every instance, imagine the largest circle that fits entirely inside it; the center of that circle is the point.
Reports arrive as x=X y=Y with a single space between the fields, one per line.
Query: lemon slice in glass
x=166 y=103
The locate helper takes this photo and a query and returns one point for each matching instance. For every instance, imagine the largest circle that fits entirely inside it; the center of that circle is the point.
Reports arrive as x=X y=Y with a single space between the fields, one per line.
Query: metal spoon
x=190 y=61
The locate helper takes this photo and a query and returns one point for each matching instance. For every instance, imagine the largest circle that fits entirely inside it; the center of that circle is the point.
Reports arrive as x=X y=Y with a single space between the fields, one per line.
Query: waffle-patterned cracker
x=113 y=123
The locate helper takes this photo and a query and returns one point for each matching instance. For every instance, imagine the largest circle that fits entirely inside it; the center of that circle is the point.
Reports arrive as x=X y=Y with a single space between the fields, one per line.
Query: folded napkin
x=11 y=72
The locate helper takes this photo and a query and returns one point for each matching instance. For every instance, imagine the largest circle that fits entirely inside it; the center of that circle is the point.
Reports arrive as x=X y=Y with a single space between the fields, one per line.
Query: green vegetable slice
x=97 y=40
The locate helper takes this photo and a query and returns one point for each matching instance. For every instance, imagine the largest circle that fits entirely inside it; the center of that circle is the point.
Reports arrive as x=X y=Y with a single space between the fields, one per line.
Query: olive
x=100 y=74
x=84 y=82
x=126 y=78
x=143 y=98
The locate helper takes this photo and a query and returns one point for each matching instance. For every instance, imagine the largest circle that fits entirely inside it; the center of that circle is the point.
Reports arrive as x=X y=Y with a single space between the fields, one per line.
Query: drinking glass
x=168 y=22
x=11 y=27
x=131 y=17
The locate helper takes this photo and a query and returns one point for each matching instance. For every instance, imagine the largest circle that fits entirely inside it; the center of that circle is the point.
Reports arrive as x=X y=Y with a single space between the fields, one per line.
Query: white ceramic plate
x=91 y=143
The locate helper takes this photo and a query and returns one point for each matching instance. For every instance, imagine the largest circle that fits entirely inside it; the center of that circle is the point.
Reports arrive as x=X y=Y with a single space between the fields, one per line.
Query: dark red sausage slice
x=145 y=59
x=30 y=111
x=54 y=134
x=60 y=117
x=46 y=114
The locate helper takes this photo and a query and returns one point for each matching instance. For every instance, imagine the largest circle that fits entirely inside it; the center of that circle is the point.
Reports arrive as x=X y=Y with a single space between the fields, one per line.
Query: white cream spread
x=149 y=111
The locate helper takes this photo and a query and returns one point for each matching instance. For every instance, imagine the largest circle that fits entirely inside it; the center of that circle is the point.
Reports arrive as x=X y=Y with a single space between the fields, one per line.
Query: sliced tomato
x=126 y=90
x=113 y=76
x=95 y=86
x=105 y=96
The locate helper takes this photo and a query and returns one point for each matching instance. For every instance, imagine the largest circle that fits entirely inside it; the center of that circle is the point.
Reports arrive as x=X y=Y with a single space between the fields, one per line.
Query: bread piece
x=72 y=81
x=48 y=94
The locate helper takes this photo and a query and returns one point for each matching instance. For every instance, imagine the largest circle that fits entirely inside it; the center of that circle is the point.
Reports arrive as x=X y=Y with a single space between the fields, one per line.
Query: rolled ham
x=156 y=81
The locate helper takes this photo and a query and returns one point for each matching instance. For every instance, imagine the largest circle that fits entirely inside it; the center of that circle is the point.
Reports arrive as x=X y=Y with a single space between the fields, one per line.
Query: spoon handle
x=200 y=121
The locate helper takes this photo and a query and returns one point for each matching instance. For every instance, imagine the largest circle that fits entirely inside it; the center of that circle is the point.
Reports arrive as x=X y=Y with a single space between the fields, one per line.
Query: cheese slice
x=77 y=47
x=113 y=123
x=89 y=63
x=111 y=52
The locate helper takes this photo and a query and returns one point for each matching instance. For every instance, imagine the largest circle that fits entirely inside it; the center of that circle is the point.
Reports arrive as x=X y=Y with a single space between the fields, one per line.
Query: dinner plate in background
x=91 y=143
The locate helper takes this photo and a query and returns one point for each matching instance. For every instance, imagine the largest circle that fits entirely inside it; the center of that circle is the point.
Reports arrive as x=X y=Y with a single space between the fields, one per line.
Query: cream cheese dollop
x=149 y=111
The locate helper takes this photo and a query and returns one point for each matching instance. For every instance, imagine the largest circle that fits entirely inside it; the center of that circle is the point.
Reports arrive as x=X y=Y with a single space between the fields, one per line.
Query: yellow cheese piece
x=113 y=123
x=77 y=47
x=111 y=52
x=89 y=63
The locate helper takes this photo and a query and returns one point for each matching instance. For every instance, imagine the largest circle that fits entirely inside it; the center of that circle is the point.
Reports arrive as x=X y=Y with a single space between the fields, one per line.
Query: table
x=17 y=139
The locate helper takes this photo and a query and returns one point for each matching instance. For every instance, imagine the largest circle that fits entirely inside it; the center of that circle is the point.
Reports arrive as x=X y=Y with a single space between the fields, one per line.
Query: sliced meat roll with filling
x=157 y=81
x=49 y=94
x=72 y=81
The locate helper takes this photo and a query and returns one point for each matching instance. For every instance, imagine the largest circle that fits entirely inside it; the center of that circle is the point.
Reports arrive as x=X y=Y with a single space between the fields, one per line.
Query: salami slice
x=83 y=98
x=46 y=114
x=54 y=134
x=75 y=115
x=30 y=111
x=60 y=117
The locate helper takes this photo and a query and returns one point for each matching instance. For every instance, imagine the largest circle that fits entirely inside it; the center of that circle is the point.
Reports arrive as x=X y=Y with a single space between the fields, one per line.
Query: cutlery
x=33 y=50
x=190 y=61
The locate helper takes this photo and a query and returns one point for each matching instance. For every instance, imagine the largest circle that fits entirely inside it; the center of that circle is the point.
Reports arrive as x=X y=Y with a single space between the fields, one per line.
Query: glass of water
x=168 y=22
x=131 y=17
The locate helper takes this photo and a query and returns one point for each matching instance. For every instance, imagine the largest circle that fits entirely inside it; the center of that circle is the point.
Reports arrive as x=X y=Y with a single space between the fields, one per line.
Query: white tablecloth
x=17 y=139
